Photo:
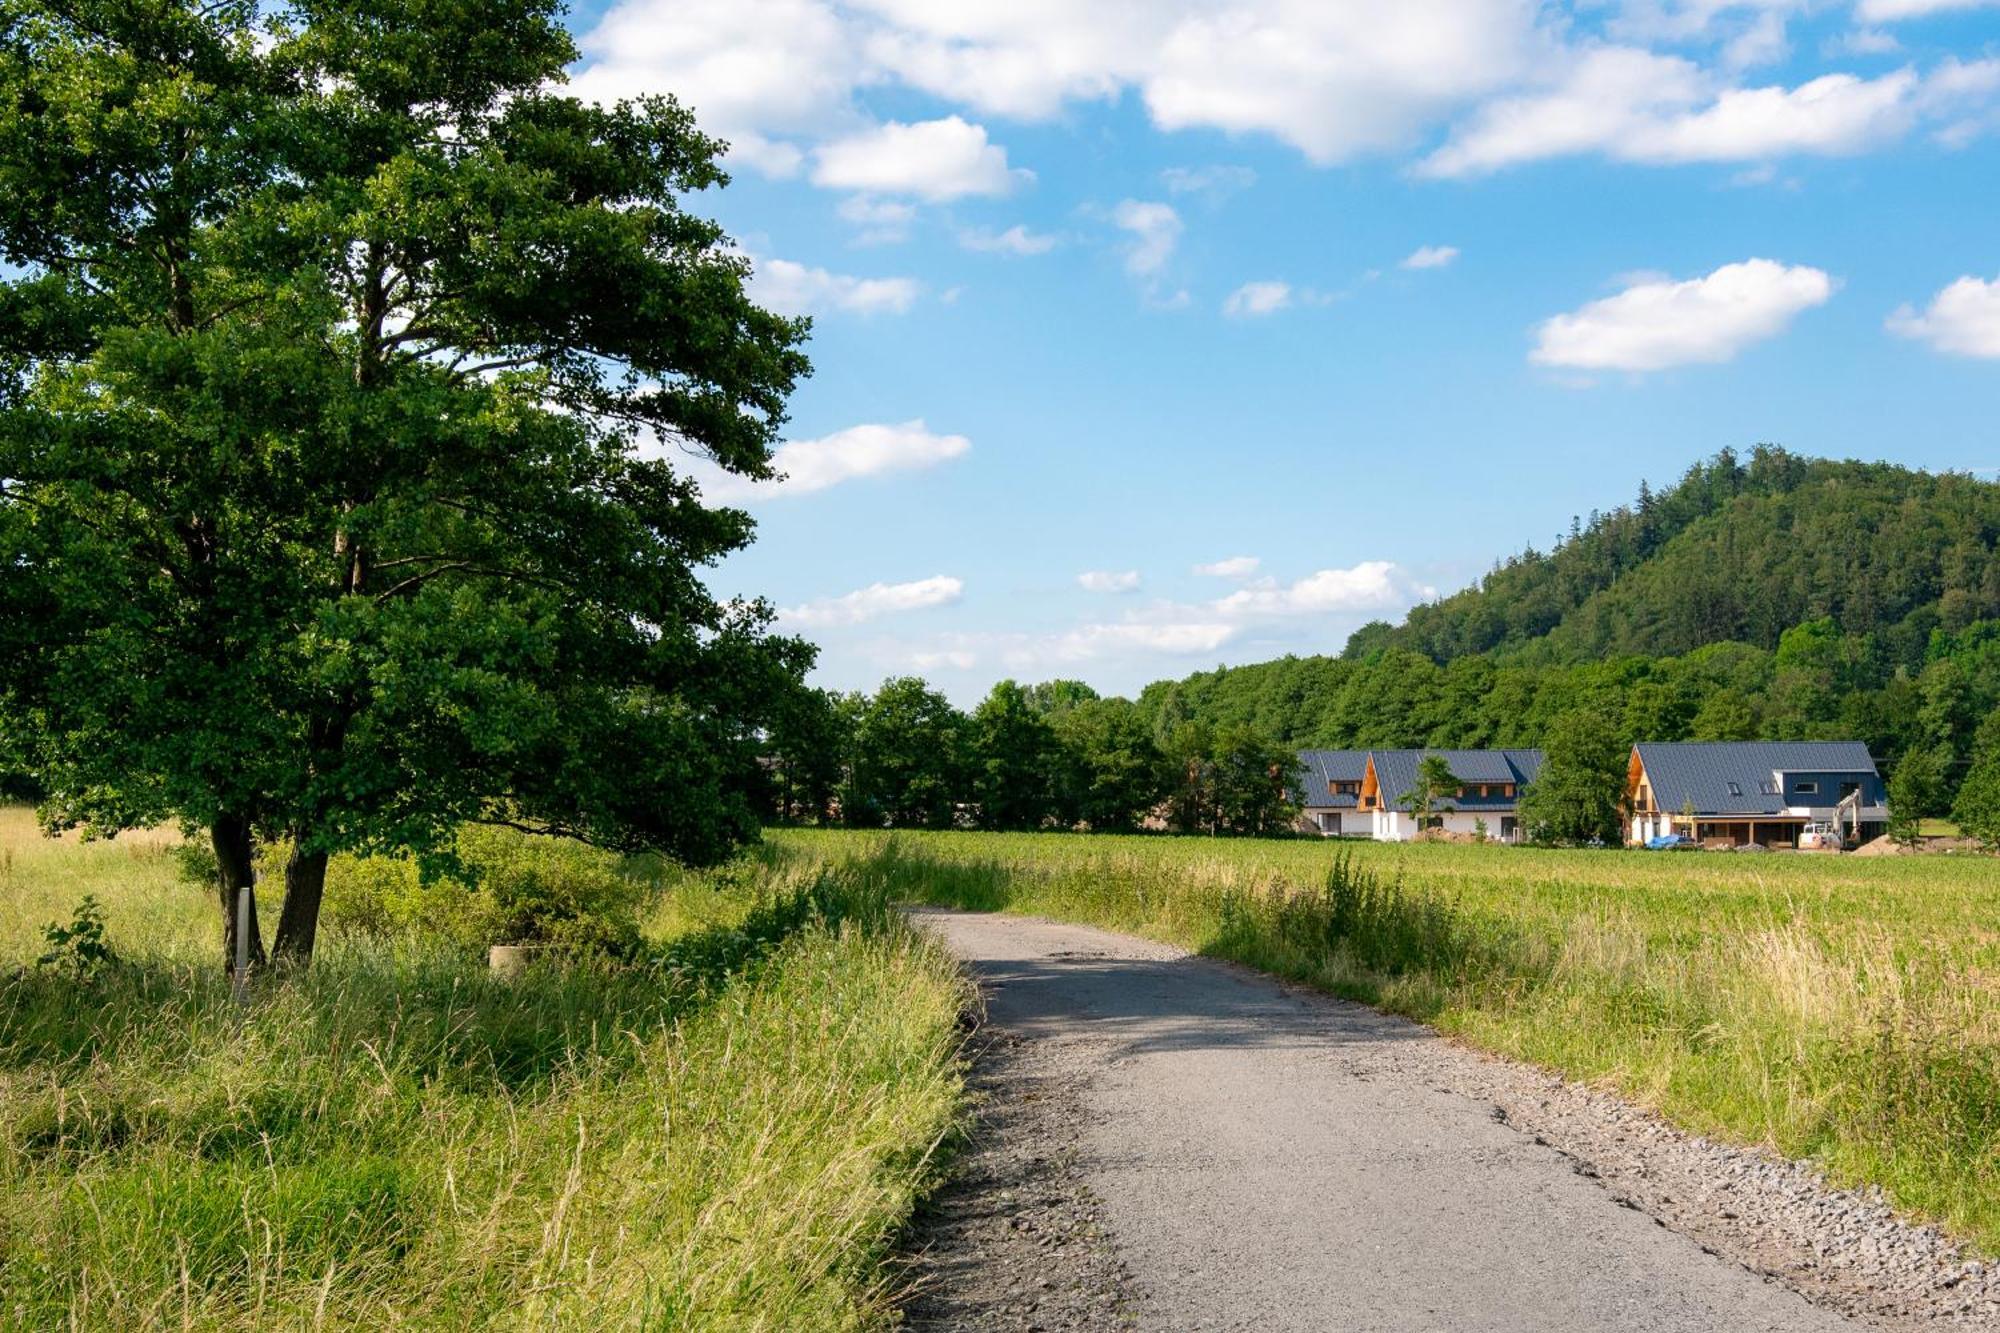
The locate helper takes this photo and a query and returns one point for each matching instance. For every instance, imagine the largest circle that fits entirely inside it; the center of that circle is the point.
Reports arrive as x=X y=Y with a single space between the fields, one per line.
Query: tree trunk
x=298 y=922
x=234 y=856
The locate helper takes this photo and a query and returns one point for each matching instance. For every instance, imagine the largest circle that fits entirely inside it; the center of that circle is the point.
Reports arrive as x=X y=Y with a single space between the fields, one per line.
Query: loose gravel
x=1845 y=1250
x=1015 y=1241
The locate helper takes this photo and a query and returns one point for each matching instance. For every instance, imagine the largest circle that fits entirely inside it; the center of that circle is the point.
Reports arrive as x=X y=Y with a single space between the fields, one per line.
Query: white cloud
x=1864 y=42
x=937 y=160
x=957 y=659
x=1257 y=298
x=1109 y=580
x=846 y=455
x=1156 y=230
x=1888 y=11
x=1656 y=322
x=780 y=79
x=753 y=73
x=1235 y=567
x=1212 y=182
x=1638 y=106
x=880 y=220
x=1963 y=319
x=1258 y=619
x=1429 y=256
x=875 y=600
x=1334 y=81
x=1178 y=637
x=1016 y=240
x=1372 y=585
x=1763 y=42
x=797 y=289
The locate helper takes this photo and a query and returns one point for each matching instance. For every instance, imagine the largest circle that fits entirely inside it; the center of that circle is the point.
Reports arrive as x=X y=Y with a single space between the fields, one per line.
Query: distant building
x=1359 y=793
x=1328 y=792
x=1488 y=796
x=1766 y=792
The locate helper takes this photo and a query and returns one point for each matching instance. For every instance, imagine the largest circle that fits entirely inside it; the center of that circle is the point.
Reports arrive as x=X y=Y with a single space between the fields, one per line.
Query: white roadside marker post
x=239 y=978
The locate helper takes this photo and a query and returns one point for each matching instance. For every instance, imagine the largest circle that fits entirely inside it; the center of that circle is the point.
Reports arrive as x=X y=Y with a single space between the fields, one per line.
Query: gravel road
x=1239 y=1154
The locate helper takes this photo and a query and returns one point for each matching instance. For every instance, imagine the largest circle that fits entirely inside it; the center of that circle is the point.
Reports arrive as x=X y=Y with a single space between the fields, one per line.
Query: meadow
x=727 y=1129
x=1841 y=1009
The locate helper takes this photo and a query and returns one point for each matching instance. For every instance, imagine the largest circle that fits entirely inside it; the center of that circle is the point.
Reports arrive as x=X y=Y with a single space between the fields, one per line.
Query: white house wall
x=1401 y=826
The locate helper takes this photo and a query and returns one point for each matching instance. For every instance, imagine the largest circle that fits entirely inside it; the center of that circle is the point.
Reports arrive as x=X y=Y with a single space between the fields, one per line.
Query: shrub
x=80 y=946
x=500 y=887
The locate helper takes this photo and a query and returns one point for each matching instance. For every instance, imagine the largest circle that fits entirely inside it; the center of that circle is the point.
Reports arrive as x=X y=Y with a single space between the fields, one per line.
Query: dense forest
x=1783 y=598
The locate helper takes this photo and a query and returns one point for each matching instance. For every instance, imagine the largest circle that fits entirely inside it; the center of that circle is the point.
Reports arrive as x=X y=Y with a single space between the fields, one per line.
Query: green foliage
x=908 y=763
x=1977 y=809
x=499 y=886
x=807 y=747
x=1377 y=925
x=1110 y=774
x=1737 y=553
x=78 y=948
x=332 y=344
x=1575 y=798
x=1013 y=757
x=1431 y=790
x=1252 y=779
x=396 y=1139
x=1916 y=792
x=1782 y=599
x=1053 y=698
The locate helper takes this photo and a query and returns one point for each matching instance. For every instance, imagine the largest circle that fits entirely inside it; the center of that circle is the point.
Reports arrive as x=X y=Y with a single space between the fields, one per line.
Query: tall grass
x=1840 y=1009
x=727 y=1135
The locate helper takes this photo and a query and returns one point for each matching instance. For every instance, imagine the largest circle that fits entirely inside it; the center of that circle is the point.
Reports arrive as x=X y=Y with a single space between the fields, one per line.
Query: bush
x=195 y=860
x=501 y=887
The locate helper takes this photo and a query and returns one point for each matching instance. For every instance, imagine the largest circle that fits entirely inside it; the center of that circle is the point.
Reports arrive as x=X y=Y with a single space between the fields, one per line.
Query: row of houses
x=1765 y=792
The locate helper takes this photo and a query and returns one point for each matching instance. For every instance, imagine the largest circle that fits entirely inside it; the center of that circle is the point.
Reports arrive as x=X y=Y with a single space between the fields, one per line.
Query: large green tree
x=1013 y=759
x=1578 y=794
x=1916 y=792
x=342 y=358
x=1112 y=774
x=908 y=763
x=1253 y=779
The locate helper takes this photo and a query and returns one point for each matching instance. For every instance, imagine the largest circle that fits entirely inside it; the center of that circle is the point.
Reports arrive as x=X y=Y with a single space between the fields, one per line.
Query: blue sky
x=1336 y=302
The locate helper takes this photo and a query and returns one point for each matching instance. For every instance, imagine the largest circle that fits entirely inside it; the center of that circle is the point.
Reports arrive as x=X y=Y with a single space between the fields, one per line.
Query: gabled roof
x=1318 y=769
x=1396 y=773
x=1736 y=777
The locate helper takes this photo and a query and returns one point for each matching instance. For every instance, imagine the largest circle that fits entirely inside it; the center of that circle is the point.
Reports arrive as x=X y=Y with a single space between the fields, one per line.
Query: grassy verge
x=1845 y=1010
x=728 y=1134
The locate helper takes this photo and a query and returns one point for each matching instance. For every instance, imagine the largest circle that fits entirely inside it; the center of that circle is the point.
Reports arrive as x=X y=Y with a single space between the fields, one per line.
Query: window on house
x=1735 y=790
x=1768 y=787
x=1806 y=788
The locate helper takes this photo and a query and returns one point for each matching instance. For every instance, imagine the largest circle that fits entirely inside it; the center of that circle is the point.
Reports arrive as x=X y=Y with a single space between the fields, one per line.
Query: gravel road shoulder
x=1015 y=1241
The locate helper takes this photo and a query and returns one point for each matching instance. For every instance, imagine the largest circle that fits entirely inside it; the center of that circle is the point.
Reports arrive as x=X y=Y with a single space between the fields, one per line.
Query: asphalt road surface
x=1270 y=1160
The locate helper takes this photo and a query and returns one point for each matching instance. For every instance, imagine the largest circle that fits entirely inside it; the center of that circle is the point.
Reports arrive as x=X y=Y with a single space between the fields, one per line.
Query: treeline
x=1819 y=683
x=1735 y=552
x=1053 y=755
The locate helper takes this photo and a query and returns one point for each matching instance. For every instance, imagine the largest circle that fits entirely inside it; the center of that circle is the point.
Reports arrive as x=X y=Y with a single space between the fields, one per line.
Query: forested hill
x=1785 y=598
x=1735 y=553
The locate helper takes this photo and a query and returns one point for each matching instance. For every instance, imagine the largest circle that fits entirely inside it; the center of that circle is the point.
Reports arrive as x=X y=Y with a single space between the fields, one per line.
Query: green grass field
x=732 y=1135
x=1842 y=1009
x=728 y=1138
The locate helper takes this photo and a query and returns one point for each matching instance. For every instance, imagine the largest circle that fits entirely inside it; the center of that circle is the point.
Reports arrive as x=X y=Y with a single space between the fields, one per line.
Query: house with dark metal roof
x=1486 y=802
x=1767 y=792
x=1327 y=790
